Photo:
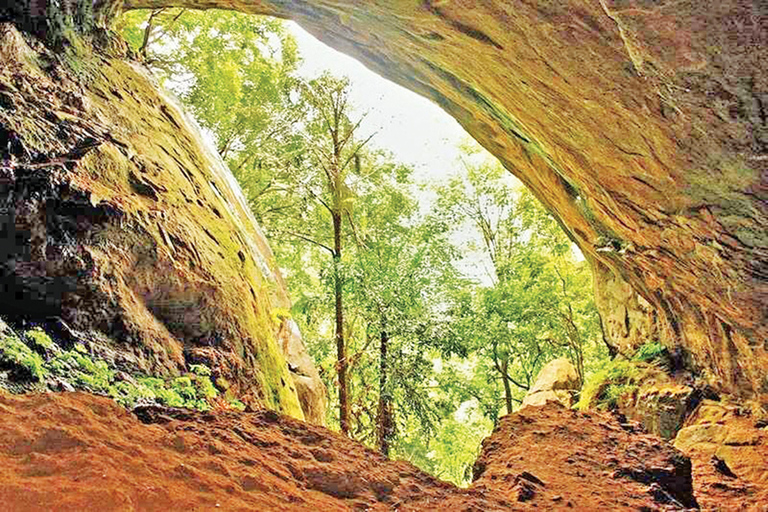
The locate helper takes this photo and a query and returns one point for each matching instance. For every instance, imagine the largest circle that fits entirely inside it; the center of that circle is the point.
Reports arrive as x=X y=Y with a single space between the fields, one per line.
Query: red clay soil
x=73 y=451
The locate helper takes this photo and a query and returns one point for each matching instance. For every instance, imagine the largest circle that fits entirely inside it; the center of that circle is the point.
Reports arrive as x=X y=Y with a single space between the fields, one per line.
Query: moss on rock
x=160 y=263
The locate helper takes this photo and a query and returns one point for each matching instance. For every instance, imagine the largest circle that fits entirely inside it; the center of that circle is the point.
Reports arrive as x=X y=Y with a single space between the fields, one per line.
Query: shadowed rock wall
x=120 y=229
x=641 y=124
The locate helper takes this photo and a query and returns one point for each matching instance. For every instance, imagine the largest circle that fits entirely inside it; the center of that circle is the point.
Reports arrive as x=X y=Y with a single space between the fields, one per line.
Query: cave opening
x=442 y=243
x=644 y=139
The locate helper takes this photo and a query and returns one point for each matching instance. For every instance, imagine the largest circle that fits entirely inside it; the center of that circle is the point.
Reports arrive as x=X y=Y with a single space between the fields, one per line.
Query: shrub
x=650 y=351
x=605 y=387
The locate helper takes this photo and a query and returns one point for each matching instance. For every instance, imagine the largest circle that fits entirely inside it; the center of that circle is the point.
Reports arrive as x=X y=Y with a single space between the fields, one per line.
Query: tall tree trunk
x=507 y=388
x=341 y=349
x=385 y=402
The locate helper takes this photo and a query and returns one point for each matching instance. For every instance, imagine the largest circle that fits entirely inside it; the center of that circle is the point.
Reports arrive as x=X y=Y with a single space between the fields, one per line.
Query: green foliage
x=78 y=367
x=450 y=453
x=650 y=351
x=604 y=388
x=200 y=370
x=13 y=351
x=39 y=339
x=534 y=303
x=236 y=404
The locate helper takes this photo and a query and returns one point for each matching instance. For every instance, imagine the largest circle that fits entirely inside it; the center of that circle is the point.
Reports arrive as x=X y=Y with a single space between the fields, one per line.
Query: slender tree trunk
x=341 y=349
x=507 y=388
x=385 y=402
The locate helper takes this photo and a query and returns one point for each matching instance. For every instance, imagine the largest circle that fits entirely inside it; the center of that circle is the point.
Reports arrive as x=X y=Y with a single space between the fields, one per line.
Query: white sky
x=414 y=129
x=411 y=127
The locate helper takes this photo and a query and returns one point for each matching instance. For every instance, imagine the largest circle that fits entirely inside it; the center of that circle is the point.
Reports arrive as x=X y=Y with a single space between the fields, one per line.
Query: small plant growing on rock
x=40 y=339
x=14 y=352
x=607 y=386
x=37 y=356
x=236 y=404
x=650 y=352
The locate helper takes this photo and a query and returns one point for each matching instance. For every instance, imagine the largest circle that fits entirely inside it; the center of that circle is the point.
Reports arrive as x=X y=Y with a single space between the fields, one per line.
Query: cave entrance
x=457 y=285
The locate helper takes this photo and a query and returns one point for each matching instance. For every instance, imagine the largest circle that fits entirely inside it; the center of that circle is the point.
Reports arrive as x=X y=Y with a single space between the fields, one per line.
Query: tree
x=336 y=151
x=397 y=283
x=234 y=72
x=537 y=304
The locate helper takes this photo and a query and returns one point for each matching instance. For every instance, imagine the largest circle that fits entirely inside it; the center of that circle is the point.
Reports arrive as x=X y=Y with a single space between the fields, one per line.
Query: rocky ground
x=74 y=451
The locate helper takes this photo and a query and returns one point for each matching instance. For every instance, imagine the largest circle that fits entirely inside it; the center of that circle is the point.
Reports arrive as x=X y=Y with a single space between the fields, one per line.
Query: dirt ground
x=74 y=451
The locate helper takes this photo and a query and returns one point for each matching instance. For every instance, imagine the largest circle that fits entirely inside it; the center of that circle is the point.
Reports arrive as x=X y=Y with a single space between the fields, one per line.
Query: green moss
x=273 y=375
x=39 y=339
x=200 y=369
x=13 y=351
x=78 y=367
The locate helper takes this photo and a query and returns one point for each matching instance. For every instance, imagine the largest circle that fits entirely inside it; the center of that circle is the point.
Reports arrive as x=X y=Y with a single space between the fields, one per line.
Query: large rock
x=120 y=229
x=556 y=382
x=641 y=124
x=729 y=450
x=662 y=407
x=310 y=388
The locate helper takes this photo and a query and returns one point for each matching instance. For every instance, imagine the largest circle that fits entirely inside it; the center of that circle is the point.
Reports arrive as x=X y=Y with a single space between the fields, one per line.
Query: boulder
x=558 y=381
x=310 y=388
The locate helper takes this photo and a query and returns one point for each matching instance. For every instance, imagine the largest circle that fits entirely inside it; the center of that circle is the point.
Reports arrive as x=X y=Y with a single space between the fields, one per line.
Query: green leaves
x=16 y=353
x=537 y=304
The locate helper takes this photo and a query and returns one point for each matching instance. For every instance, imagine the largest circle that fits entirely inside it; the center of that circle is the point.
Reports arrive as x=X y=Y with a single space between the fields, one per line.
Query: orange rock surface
x=75 y=451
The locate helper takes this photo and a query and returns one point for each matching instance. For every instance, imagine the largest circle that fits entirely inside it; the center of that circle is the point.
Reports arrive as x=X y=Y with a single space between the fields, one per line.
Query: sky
x=414 y=129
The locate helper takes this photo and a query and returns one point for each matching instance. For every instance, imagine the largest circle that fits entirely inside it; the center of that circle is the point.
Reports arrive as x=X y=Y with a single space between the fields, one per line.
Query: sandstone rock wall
x=641 y=124
x=120 y=229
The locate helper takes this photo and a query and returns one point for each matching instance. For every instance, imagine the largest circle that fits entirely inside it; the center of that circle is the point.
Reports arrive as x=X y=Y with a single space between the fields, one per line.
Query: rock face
x=641 y=124
x=729 y=451
x=93 y=455
x=556 y=382
x=559 y=458
x=312 y=393
x=120 y=230
x=662 y=408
